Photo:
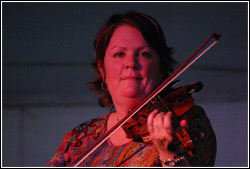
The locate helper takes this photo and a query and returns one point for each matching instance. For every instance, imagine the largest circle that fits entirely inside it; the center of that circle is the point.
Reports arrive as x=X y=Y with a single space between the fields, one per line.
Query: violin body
x=180 y=102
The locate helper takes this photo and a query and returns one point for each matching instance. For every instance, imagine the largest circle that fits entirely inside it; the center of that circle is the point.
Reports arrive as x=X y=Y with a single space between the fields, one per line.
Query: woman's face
x=131 y=67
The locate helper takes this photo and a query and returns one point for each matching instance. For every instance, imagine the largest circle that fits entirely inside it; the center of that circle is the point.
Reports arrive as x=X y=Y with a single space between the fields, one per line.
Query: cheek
x=154 y=72
x=112 y=72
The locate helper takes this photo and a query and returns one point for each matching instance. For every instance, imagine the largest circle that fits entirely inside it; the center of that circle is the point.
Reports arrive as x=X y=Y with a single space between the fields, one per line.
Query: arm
x=163 y=136
x=61 y=156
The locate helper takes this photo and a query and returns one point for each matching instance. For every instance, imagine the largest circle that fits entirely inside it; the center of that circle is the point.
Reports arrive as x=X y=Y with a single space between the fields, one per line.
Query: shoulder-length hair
x=152 y=33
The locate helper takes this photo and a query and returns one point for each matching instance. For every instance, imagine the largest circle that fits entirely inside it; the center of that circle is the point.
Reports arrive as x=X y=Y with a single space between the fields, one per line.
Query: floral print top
x=132 y=154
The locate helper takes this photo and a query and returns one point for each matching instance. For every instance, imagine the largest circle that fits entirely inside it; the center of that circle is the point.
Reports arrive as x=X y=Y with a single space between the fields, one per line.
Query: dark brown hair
x=152 y=33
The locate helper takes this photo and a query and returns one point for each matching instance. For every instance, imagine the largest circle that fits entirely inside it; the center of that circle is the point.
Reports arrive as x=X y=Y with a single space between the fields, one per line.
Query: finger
x=150 y=121
x=184 y=124
x=168 y=123
x=167 y=120
x=159 y=120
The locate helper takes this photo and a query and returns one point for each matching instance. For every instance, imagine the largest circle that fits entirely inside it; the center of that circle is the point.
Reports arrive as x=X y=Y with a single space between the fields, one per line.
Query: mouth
x=132 y=78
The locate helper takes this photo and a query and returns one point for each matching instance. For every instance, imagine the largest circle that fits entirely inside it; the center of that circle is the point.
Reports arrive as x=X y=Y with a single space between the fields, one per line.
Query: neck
x=119 y=137
x=123 y=107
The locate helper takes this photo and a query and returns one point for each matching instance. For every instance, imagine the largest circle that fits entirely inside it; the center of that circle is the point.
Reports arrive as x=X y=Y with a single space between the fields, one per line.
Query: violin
x=165 y=99
x=179 y=101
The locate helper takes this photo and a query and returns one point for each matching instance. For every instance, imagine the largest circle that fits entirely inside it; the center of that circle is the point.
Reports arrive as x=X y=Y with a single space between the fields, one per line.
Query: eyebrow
x=140 y=48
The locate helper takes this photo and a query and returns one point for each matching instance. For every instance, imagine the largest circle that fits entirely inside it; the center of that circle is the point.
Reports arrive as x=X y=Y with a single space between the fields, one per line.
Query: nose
x=132 y=62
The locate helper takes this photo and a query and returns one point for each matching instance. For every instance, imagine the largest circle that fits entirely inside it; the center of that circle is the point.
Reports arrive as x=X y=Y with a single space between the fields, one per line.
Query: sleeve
x=71 y=146
x=205 y=147
x=62 y=156
x=76 y=141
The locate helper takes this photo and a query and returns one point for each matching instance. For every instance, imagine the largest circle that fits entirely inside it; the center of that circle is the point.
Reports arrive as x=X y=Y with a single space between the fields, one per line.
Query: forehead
x=126 y=34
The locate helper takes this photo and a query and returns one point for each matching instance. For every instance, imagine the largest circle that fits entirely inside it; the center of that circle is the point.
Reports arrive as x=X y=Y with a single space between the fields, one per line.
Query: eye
x=145 y=55
x=119 y=54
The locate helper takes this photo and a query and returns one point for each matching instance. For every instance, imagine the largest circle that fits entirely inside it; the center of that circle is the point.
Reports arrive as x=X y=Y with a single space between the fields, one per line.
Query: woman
x=132 y=59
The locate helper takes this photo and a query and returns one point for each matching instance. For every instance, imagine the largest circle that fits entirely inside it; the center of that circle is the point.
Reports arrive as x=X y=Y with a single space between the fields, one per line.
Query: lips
x=132 y=77
x=126 y=78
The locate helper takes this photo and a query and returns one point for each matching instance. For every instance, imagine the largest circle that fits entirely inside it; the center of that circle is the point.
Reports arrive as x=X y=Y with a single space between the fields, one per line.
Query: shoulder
x=76 y=140
x=85 y=129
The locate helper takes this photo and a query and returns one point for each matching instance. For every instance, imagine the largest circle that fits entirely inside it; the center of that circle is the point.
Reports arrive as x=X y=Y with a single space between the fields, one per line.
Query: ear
x=101 y=70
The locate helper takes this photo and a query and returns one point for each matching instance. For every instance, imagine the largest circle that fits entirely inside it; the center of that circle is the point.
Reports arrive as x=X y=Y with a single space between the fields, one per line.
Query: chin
x=133 y=94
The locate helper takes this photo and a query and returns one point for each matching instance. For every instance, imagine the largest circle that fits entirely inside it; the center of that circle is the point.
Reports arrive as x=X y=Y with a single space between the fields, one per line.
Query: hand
x=161 y=130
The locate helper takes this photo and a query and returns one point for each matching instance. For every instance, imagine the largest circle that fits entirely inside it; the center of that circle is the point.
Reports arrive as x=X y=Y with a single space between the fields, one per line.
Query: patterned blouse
x=132 y=154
